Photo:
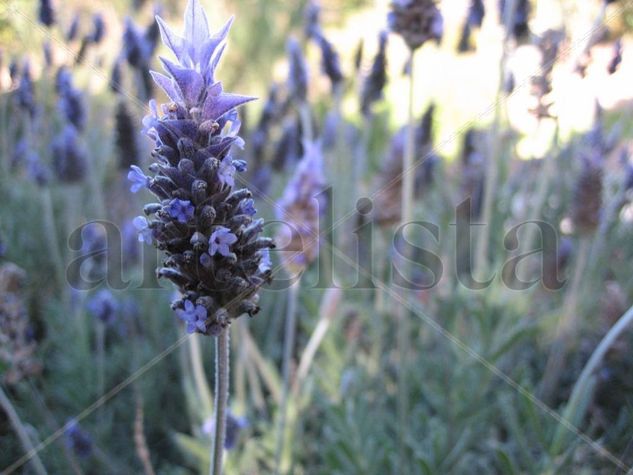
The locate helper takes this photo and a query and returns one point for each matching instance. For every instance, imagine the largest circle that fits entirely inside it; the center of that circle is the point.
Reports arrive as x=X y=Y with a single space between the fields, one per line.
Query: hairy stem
x=221 y=399
x=20 y=430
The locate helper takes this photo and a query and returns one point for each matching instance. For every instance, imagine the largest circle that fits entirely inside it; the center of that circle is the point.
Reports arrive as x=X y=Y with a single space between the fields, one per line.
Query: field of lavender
x=346 y=237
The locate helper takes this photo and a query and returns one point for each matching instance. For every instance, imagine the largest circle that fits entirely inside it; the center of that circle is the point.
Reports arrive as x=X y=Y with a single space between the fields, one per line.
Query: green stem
x=493 y=162
x=51 y=237
x=199 y=377
x=100 y=362
x=221 y=399
x=582 y=391
x=566 y=328
x=408 y=181
x=289 y=341
x=20 y=430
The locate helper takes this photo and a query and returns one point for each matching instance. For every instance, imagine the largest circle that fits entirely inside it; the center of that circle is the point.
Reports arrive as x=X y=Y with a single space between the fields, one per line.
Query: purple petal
x=171 y=39
x=167 y=85
x=216 y=106
x=196 y=25
x=189 y=81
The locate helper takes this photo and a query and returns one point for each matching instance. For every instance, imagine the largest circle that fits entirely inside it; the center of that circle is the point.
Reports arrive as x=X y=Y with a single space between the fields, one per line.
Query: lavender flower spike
x=205 y=225
x=300 y=208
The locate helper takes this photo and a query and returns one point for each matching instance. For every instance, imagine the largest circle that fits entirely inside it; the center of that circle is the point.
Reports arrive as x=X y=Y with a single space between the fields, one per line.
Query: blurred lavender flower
x=417 y=21
x=36 y=170
x=14 y=70
x=73 y=29
x=125 y=137
x=25 y=93
x=103 y=306
x=234 y=425
x=152 y=34
x=297 y=72
x=329 y=60
x=136 y=50
x=71 y=101
x=300 y=208
x=69 y=156
x=98 y=29
x=616 y=59
x=476 y=13
x=78 y=440
x=312 y=19
x=519 y=23
x=288 y=149
x=115 y=77
x=48 y=54
x=129 y=245
x=214 y=257
x=46 y=13
x=377 y=77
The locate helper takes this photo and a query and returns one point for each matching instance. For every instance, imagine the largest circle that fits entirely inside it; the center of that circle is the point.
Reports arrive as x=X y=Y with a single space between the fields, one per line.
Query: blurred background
x=524 y=107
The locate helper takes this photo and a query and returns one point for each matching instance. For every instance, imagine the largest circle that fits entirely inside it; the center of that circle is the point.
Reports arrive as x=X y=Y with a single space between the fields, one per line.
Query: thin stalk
x=306 y=121
x=408 y=180
x=199 y=377
x=20 y=430
x=251 y=373
x=289 y=342
x=222 y=349
x=327 y=312
x=582 y=391
x=567 y=324
x=100 y=362
x=492 y=164
x=51 y=237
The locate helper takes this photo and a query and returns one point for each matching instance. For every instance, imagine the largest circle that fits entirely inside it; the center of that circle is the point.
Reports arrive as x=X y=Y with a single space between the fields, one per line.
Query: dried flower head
x=388 y=201
x=17 y=347
x=300 y=208
x=204 y=224
x=587 y=195
x=417 y=21
x=548 y=44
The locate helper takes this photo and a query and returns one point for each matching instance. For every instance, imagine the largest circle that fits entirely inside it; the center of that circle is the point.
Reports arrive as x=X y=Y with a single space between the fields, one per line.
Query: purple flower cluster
x=204 y=224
